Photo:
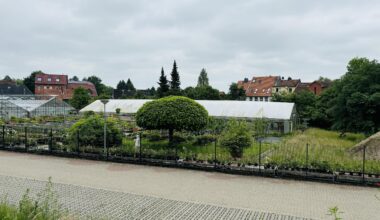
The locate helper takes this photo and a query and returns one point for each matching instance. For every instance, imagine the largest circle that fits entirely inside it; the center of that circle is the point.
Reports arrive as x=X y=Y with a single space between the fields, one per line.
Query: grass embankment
x=326 y=151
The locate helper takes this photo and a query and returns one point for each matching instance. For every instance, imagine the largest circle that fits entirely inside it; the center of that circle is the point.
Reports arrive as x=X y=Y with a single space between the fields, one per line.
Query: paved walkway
x=85 y=202
x=145 y=191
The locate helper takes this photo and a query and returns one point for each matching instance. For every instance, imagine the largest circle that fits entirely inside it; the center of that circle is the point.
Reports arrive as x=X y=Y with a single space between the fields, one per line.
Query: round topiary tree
x=172 y=113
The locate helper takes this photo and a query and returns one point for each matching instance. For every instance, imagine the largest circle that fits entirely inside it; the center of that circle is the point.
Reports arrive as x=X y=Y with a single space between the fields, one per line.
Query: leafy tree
x=100 y=87
x=81 y=98
x=29 y=81
x=74 y=78
x=175 y=82
x=236 y=137
x=163 y=83
x=203 y=79
x=91 y=131
x=121 y=89
x=236 y=92
x=202 y=93
x=172 y=113
x=356 y=102
x=305 y=102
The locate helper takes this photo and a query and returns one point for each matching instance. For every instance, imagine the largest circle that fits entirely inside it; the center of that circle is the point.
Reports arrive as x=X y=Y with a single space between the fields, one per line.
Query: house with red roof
x=259 y=88
x=59 y=85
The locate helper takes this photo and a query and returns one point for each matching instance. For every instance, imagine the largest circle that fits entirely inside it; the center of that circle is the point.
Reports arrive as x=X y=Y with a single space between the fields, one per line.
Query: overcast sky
x=120 y=39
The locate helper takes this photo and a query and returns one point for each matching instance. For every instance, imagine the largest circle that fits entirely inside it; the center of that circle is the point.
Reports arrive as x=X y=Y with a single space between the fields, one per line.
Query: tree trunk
x=171 y=132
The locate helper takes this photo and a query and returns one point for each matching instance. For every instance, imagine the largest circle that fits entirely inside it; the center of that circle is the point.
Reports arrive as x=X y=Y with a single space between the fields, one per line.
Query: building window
x=256 y=99
x=276 y=89
x=290 y=89
x=39 y=87
x=49 y=79
x=261 y=99
x=39 y=79
x=250 y=98
x=315 y=90
x=57 y=79
x=266 y=99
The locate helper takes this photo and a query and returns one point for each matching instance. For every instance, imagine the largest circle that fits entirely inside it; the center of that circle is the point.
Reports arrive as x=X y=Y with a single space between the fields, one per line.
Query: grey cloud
x=232 y=39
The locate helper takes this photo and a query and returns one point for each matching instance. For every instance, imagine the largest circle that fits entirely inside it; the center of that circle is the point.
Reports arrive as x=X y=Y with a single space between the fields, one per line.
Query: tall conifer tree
x=163 y=83
x=175 y=82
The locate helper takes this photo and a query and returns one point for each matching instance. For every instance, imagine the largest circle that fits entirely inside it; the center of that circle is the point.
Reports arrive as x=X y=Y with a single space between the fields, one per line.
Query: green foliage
x=29 y=81
x=102 y=90
x=203 y=79
x=305 y=102
x=204 y=139
x=163 y=83
x=235 y=92
x=202 y=93
x=175 y=83
x=46 y=207
x=356 y=102
x=74 y=78
x=124 y=89
x=91 y=131
x=335 y=213
x=172 y=113
x=81 y=98
x=236 y=137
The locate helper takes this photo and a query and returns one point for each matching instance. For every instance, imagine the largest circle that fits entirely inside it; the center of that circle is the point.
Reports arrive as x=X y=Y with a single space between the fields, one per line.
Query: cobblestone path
x=86 y=202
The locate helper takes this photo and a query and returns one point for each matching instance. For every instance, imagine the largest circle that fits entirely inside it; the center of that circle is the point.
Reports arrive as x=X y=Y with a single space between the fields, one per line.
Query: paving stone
x=86 y=202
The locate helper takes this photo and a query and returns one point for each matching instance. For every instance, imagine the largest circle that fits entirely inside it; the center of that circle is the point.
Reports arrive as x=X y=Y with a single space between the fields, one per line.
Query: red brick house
x=60 y=86
x=315 y=87
x=259 y=88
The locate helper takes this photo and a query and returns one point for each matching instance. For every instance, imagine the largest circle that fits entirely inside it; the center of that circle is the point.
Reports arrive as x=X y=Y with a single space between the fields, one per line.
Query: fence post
x=26 y=139
x=78 y=150
x=3 y=138
x=215 y=142
x=307 y=158
x=259 y=156
x=363 y=169
x=140 y=148
x=51 y=140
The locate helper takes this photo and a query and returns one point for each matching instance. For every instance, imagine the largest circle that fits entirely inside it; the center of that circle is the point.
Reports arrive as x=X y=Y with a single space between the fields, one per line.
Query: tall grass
x=326 y=151
x=45 y=207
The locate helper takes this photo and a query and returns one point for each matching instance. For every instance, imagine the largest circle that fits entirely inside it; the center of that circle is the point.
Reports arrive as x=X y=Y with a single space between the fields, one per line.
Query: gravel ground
x=85 y=202
x=205 y=193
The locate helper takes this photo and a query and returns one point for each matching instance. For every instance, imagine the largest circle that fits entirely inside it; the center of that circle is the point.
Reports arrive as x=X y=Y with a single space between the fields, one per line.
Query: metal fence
x=266 y=160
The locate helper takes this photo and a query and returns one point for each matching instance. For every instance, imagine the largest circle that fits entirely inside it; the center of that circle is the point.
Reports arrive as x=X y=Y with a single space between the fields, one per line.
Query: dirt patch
x=372 y=146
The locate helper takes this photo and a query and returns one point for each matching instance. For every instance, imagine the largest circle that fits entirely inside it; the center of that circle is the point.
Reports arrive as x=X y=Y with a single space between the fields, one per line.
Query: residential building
x=10 y=87
x=60 y=86
x=259 y=88
x=285 y=86
x=315 y=87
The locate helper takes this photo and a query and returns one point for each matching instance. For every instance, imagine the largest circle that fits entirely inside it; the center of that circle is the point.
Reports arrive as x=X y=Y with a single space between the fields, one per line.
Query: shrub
x=172 y=113
x=204 y=139
x=118 y=110
x=236 y=137
x=91 y=130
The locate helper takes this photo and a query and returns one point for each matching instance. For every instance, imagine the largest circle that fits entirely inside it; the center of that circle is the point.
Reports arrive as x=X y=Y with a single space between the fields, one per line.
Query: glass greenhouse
x=26 y=106
x=282 y=115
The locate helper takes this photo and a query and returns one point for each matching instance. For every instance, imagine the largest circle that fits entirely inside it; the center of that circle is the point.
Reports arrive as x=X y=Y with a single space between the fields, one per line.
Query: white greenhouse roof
x=234 y=109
